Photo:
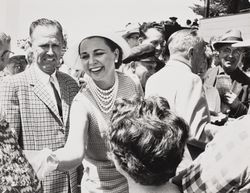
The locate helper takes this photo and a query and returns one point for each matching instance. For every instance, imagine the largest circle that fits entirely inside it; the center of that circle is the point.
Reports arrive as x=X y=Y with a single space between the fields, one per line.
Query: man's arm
x=240 y=76
x=191 y=104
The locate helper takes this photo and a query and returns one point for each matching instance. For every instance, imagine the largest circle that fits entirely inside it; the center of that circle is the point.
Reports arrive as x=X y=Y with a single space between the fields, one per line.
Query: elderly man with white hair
x=179 y=83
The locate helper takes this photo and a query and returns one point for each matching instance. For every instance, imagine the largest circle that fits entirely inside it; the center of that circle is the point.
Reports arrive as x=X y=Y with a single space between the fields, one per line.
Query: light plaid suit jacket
x=31 y=111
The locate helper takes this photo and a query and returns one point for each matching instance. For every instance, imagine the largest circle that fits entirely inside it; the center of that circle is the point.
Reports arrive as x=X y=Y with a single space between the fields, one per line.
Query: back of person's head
x=182 y=40
x=45 y=22
x=146 y=139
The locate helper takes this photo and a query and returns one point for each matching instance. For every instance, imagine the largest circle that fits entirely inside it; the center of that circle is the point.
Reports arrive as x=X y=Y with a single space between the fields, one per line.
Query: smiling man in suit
x=38 y=101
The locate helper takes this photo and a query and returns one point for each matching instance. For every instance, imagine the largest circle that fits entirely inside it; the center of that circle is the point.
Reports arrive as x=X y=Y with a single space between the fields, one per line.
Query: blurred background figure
x=156 y=139
x=234 y=95
x=72 y=66
x=188 y=23
x=17 y=63
x=153 y=33
x=140 y=64
x=132 y=34
x=195 y=24
x=212 y=94
x=4 y=51
x=16 y=174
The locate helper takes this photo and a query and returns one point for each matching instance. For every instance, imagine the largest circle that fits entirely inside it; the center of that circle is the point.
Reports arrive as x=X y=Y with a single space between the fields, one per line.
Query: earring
x=116 y=60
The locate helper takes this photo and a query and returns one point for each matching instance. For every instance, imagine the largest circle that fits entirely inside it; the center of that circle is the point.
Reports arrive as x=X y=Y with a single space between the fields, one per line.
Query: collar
x=179 y=62
x=221 y=70
x=42 y=76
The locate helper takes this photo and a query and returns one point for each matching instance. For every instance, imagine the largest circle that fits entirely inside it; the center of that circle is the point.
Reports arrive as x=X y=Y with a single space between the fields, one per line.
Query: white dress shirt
x=45 y=79
x=184 y=92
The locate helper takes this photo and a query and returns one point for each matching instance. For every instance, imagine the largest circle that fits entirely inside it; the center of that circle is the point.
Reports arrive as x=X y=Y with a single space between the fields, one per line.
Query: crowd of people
x=145 y=109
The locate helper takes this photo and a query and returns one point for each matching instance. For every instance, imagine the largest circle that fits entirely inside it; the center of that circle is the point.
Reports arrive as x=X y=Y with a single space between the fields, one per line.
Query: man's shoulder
x=18 y=79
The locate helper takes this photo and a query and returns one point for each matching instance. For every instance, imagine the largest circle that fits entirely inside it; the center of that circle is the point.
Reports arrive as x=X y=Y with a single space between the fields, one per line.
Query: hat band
x=232 y=39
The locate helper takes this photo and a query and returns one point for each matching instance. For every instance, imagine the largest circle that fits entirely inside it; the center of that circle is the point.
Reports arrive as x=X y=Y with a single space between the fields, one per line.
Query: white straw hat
x=72 y=58
x=230 y=37
x=114 y=37
x=244 y=43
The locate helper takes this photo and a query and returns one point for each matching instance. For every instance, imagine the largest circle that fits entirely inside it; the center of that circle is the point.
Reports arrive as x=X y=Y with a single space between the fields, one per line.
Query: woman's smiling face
x=98 y=59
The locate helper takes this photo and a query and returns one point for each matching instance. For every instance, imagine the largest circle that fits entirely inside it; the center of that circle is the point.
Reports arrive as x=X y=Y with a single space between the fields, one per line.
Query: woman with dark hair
x=91 y=110
x=146 y=142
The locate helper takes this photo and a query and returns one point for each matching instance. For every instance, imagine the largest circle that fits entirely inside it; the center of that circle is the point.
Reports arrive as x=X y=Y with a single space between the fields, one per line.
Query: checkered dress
x=100 y=174
x=225 y=164
x=32 y=113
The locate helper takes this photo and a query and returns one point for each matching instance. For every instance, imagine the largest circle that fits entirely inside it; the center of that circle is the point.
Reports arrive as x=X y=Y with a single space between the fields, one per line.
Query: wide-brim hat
x=72 y=53
x=18 y=54
x=244 y=43
x=131 y=28
x=114 y=37
x=230 y=37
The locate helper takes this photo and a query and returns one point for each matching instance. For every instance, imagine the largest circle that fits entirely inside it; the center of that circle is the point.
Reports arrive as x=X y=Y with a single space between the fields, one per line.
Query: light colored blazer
x=32 y=113
x=184 y=92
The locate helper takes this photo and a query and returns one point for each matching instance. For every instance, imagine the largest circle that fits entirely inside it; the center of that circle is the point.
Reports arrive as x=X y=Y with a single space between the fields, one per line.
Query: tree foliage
x=221 y=7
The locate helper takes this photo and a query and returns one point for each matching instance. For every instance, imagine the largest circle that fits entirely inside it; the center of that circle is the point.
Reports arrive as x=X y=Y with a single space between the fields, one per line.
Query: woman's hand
x=41 y=162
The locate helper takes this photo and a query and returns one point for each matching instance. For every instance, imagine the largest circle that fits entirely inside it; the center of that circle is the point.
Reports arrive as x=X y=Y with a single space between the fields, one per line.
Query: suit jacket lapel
x=41 y=92
x=65 y=97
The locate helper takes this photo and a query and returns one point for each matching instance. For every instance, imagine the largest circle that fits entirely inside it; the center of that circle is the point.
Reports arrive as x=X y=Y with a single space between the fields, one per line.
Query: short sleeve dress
x=100 y=174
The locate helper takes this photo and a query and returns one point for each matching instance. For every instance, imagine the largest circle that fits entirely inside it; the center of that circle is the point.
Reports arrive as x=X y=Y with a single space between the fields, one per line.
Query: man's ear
x=29 y=42
x=190 y=53
x=140 y=40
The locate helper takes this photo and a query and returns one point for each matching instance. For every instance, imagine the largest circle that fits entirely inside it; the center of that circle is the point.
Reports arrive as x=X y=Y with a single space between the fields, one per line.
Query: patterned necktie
x=57 y=96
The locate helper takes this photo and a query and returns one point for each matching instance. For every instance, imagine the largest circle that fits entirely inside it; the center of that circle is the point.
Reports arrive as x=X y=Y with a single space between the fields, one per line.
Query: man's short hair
x=45 y=22
x=147 y=139
x=146 y=26
x=182 y=40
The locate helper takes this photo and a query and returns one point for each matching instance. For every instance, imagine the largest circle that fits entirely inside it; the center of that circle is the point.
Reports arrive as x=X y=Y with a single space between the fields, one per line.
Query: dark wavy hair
x=147 y=139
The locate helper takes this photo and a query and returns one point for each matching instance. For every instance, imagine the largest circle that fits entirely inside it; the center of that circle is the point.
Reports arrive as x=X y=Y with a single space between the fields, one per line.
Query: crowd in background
x=151 y=108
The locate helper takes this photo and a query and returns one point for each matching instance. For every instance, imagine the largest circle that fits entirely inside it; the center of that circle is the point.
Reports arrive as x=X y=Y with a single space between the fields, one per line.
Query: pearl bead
x=105 y=99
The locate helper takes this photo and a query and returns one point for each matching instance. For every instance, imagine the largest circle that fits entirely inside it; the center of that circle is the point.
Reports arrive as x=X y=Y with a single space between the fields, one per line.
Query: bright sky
x=84 y=16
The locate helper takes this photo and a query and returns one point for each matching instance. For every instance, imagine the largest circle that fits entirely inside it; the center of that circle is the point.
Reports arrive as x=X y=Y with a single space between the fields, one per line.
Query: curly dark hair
x=147 y=139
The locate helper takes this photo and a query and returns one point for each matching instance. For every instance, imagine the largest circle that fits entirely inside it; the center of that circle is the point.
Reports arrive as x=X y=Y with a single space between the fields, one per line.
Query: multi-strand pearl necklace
x=105 y=99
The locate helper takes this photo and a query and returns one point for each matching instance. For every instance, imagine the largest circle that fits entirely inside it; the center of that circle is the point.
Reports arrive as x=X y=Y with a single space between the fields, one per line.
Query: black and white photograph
x=124 y=96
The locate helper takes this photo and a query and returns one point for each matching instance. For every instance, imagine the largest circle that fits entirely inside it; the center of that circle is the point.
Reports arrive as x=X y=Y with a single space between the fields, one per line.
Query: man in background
x=179 y=83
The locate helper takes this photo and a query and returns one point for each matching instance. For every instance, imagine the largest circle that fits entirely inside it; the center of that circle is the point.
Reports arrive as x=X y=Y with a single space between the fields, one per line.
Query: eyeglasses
x=230 y=51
